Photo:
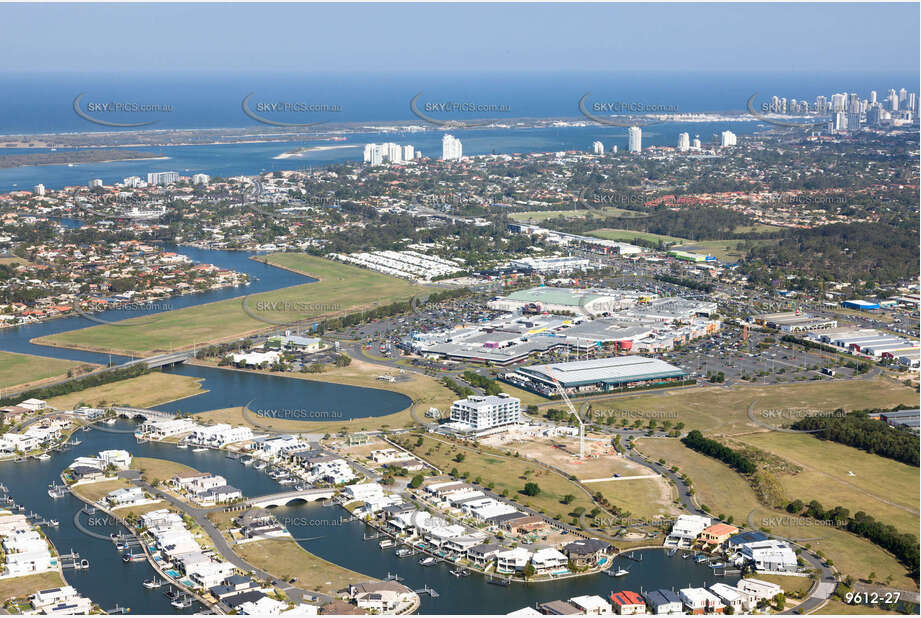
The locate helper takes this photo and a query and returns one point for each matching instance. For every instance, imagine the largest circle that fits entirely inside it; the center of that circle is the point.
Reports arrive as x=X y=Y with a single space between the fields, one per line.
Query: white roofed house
x=512 y=560
x=219 y=435
x=440 y=535
x=121 y=459
x=125 y=496
x=701 y=601
x=769 y=555
x=687 y=528
x=592 y=605
x=731 y=596
x=548 y=560
x=158 y=429
x=758 y=590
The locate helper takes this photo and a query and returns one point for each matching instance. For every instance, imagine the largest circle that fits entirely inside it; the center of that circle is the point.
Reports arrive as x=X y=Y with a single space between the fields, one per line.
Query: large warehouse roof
x=616 y=370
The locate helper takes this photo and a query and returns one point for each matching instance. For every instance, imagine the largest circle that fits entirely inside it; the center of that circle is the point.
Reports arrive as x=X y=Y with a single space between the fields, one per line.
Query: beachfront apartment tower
x=451 y=148
x=634 y=139
x=481 y=413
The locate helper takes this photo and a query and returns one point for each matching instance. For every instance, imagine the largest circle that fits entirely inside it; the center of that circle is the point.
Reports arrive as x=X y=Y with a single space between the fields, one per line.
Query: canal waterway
x=341 y=543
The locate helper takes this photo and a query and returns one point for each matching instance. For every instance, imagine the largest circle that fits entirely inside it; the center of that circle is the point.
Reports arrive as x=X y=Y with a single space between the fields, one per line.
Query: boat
x=54 y=523
x=700 y=558
x=385 y=543
x=150 y=584
x=427 y=562
x=259 y=465
x=182 y=445
x=200 y=449
x=44 y=457
x=127 y=557
x=460 y=572
x=246 y=461
x=182 y=602
x=403 y=552
x=672 y=552
x=617 y=573
x=84 y=564
x=287 y=481
x=686 y=555
x=719 y=564
x=110 y=421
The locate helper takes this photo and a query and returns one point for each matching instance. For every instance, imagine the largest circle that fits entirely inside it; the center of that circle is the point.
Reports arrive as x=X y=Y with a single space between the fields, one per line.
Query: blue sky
x=452 y=37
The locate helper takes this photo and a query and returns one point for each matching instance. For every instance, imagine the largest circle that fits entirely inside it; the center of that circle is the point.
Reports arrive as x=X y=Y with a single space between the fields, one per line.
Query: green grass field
x=19 y=369
x=628 y=235
x=881 y=487
x=724 y=411
x=725 y=492
x=723 y=250
x=340 y=289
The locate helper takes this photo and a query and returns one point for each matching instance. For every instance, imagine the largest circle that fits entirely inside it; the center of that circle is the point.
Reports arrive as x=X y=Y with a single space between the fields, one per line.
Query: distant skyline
x=147 y=38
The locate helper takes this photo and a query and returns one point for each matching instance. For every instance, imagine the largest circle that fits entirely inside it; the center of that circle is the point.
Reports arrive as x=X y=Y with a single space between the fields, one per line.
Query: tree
x=568 y=498
x=528 y=571
x=531 y=489
x=417 y=481
x=460 y=457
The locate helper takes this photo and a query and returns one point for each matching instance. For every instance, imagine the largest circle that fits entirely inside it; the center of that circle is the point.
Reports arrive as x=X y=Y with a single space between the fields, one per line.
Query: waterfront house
x=60 y=601
x=586 y=552
x=239 y=599
x=769 y=555
x=195 y=483
x=232 y=585
x=263 y=606
x=731 y=596
x=758 y=590
x=686 y=529
x=118 y=458
x=275 y=447
x=160 y=429
x=218 y=435
x=381 y=597
x=125 y=496
x=483 y=555
x=591 y=605
x=440 y=535
x=558 y=608
x=548 y=560
x=700 y=601
x=209 y=574
x=525 y=611
x=13 y=414
x=717 y=534
x=628 y=603
x=460 y=544
x=752 y=536
x=512 y=560
x=664 y=602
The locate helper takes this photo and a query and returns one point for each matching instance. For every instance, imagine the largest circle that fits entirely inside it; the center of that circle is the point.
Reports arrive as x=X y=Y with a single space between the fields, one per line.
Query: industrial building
x=860 y=305
x=868 y=342
x=598 y=375
x=687 y=256
x=794 y=321
x=555 y=265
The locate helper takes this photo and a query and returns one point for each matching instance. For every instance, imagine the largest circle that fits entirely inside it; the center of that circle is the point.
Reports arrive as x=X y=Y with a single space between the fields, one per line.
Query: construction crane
x=572 y=409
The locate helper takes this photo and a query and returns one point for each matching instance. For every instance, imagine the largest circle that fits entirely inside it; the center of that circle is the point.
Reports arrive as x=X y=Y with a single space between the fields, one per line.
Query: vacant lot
x=839 y=475
x=837 y=608
x=507 y=474
x=19 y=587
x=538 y=216
x=142 y=392
x=641 y=498
x=95 y=491
x=340 y=289
x=26 y=370
x=725 y=492
x=724 y=411
x=159 y=469
x=628 y=235
x=285 y=559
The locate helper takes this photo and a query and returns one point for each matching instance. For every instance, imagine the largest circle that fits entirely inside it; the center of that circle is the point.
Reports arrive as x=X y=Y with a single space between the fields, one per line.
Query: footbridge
x=287 y=497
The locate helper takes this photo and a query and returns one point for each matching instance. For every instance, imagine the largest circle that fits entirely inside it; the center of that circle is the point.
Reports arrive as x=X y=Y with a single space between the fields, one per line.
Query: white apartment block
x=482 y=413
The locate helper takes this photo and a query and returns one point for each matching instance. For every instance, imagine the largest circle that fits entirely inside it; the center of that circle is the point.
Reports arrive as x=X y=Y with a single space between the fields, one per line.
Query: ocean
x=43 y=103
